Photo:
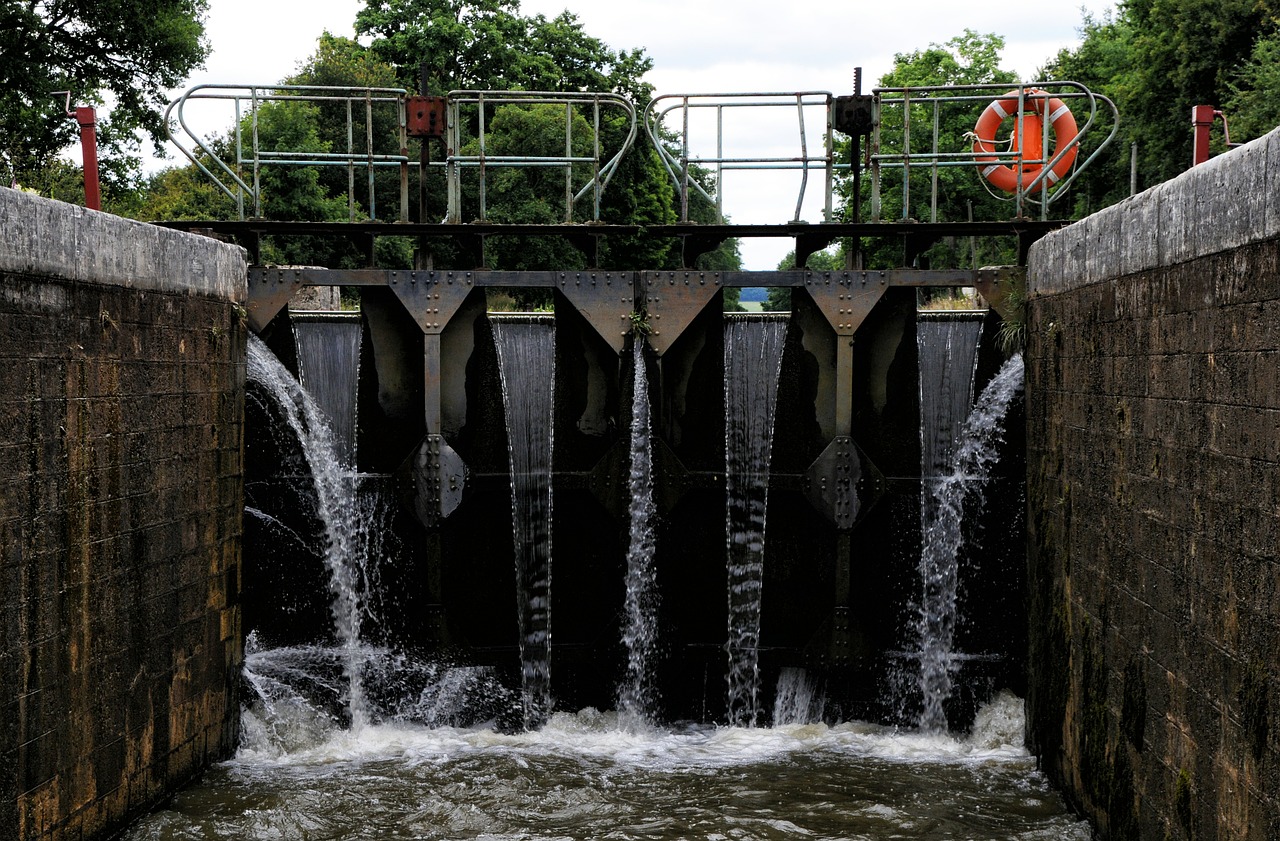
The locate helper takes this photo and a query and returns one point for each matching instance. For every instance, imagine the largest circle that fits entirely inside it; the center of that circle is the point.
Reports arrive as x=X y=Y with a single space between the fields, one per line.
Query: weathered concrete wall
x=121 y=399
x=1154 y=505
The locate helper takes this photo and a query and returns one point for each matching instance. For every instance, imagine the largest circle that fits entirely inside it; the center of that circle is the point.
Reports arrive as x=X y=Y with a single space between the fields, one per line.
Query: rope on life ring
x=1031 y=141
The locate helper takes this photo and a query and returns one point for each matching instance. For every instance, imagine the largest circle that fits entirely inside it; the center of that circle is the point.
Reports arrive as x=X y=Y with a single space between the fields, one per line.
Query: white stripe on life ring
x=1063 y=109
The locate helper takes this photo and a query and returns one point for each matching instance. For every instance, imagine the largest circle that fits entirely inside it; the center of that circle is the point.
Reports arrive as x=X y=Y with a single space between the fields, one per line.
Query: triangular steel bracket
x=431 y=297
x=672 y=300
x=846 y=298
x=270 y=291
x=605 y=299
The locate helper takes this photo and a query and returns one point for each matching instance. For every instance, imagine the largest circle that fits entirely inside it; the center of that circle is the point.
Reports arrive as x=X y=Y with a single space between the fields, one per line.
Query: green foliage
x=488 y=45
x=130 y=52
x=1158 y=58
x=1253 y=107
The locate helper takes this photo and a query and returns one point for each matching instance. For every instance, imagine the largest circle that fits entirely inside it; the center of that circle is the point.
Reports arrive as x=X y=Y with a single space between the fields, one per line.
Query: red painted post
x=87 y=119
x=1201 y=120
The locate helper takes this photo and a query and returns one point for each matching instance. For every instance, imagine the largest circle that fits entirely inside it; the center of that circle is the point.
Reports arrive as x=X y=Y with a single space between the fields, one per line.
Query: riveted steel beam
x=672 y=300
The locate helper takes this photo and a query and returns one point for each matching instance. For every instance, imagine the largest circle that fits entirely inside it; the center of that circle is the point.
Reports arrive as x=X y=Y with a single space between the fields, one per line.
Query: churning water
x=582 y=776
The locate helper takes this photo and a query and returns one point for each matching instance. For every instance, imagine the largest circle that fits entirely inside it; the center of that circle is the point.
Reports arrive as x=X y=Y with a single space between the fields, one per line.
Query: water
x=975 y=448
x=637 y=696
x=584 y=777
x=338 y=507
x=752 y=361
x=329 y=368
x=526 y=359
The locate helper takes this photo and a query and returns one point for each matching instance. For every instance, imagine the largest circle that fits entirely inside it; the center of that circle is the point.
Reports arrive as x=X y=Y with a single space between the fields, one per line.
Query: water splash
x=637 y=695
x=526 y=361
x=752 y=362
x=798 y=699
x=976 y=449
x=337 y=507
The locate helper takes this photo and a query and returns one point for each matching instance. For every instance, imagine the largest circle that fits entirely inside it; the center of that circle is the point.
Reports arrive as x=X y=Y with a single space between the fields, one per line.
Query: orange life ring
x=1031 y=142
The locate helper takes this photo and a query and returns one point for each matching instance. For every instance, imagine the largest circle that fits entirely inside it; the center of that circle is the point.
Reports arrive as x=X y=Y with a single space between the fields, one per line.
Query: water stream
x=526 y=360
x=338 y=509
x=973 y=451
x=329 y=367
x=752 y=361
x=637 y=694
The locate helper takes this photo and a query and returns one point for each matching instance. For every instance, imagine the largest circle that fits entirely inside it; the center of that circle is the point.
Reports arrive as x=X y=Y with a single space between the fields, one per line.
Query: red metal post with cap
x=87 y=118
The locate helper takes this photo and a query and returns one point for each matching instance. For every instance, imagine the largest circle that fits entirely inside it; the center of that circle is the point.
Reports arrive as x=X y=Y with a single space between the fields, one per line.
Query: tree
x=1156 y=59
x=128 y=52
x=1253 y=107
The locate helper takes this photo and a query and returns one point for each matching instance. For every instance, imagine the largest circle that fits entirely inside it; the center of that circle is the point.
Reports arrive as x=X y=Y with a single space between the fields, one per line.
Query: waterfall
x=797 y=700
x=752 y=361
x=637 y=695
x=975 y=449
x=526 y=361
x=337 y=507
x=329 y=368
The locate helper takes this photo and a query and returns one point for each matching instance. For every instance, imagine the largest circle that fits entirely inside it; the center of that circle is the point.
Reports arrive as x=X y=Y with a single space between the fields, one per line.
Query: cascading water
x=975 y=450
x=636 y=696
x=752 y=362
x=526 y=361
x=329 y=367
x=797 y=700
x=337 y=507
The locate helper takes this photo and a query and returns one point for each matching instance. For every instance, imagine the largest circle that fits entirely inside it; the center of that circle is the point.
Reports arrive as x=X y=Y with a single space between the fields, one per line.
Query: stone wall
x=121 y=405
x=1154 y=505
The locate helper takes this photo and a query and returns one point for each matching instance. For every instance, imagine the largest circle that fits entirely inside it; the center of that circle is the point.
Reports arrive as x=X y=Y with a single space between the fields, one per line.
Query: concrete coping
x=43 y=237
x=1228 y=202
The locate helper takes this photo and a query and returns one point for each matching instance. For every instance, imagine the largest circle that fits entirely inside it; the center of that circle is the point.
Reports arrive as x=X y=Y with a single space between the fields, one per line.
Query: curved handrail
x=602 y=170
x=678 y=166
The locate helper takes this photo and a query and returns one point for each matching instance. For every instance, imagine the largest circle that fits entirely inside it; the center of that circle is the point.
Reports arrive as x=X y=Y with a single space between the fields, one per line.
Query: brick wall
x=121 y=405
x=1154 y=506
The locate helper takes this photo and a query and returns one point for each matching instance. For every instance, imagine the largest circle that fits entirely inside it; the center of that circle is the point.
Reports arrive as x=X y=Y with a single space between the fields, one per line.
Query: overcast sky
x=697 y=46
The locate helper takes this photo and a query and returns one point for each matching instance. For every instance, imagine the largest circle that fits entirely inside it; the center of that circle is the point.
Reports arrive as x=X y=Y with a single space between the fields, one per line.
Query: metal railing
x=683 y=162
x=240 y=178
x=940 y=102
x=470 y=116
x=688 y=132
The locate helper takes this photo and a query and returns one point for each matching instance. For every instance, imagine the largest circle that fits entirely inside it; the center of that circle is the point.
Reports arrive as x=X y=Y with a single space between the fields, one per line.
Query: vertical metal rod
x=1019 y=193
x=483 y=198
x=402 y=119
x=368 y=132
x=719 y=163
x=684 y=162
x=906 y=155
x=454 y=143
x=595 y=166
x=829 y=149
x=239 y=163
x=568 y=166
x=875 y=159
x=804 y=155
x=257 y=184
x=933 y=192
x=1044 y=155
x=351 y=164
